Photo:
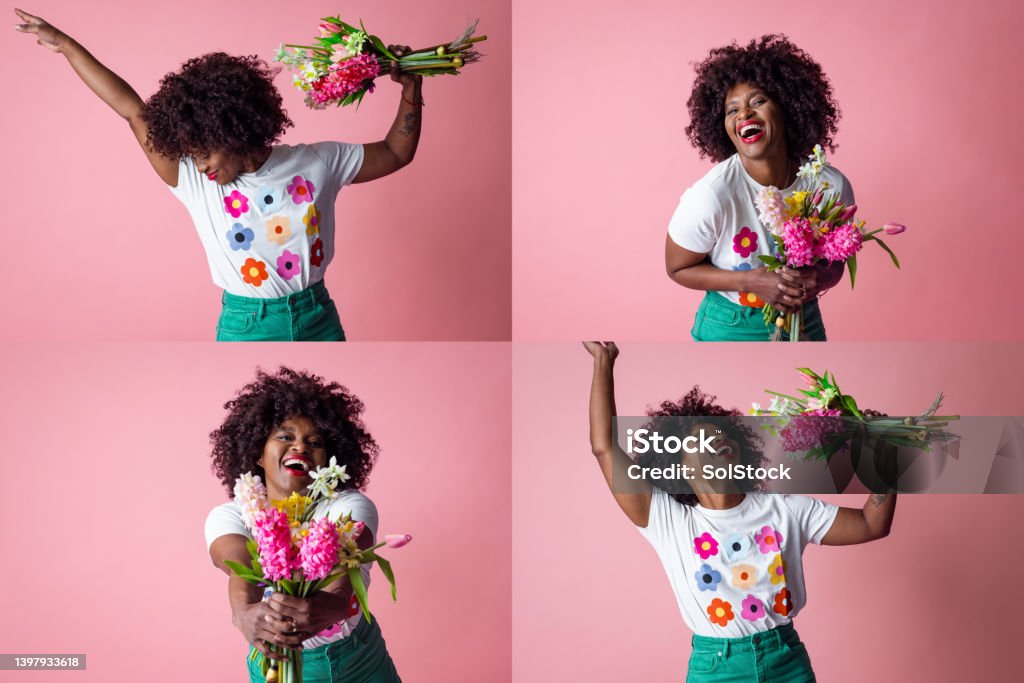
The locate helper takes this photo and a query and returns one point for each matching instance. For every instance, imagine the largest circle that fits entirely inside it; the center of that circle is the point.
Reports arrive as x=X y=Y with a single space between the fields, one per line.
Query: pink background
x=932 y=602
x=926 y=138
x=101 y=250
x=97 y=432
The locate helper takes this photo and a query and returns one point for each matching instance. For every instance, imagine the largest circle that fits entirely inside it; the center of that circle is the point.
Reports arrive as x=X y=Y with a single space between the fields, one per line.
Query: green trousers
x=309 y=315
x=773 y=656
x=362 y=657
x=719 y=319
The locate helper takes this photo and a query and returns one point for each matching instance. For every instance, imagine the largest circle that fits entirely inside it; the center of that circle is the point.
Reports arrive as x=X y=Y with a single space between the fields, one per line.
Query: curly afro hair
x=691 y=410
x=216 y=103
x=786 y=73
x=262 y=405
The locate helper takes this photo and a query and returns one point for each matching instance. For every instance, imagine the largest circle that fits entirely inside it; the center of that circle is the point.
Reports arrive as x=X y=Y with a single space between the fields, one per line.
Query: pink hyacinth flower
x=274 y=540
x=319 y=551
x=894 y=228
x=397 y=540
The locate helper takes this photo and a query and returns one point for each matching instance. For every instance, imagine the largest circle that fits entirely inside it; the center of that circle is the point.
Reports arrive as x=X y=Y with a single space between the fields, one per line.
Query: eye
x=284 y=436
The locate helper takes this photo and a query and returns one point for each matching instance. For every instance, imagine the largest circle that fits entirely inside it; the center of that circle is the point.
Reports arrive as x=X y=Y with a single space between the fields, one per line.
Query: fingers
x=296 y=609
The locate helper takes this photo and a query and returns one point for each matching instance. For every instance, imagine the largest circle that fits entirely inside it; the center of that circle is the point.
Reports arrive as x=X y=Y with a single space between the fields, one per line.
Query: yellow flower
x=777 y=570
x=294 y=506
x=795 y=202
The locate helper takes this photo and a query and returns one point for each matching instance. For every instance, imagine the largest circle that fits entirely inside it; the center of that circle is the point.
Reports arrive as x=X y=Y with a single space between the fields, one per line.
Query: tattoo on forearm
x=878 y=498
x=411 y=125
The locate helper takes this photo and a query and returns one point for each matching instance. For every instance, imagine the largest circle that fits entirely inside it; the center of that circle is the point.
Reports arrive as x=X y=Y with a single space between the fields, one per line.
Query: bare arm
x=398 y=149
x=250 y=615
x=693 y=270
x=610 y=458
x=107 y=85
x=872 y=522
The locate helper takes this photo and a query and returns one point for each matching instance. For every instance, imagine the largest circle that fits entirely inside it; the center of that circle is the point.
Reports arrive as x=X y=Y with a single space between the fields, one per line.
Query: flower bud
x=441 y=52
x=894 y=228
x=847 y=213
x=457 y=62
x=397 y=540
x=328 y=28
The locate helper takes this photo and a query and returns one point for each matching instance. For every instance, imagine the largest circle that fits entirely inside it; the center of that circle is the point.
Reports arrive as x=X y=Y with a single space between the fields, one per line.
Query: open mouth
x=297 y=466
x=751 y=131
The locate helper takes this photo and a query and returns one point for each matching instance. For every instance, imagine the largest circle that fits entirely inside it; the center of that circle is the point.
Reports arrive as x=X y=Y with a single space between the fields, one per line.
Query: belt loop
x=725 y=648
x=777 y=637
x=261 y=309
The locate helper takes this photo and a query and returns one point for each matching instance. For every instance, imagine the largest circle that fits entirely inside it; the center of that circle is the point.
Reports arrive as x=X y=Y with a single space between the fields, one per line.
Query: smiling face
x=293 y=449
x=218 y=167
x=754 y=123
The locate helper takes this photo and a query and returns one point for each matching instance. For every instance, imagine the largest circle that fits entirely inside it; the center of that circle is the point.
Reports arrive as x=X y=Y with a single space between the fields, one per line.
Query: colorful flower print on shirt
x=783 y=603
x=737 y=546
x=751 y=299
x=288 y=265
x=316 y=253
x=753 y=609
x=301 y=190
x=705 y=546
x=745 y=242
x=254 y=272
x=268 y=200
x=312 y=220
x=236 y=204
x=743 y=266
x=278 y=229
x=777 y=571
x=707 y=578
x=768 y=540
x=744 y=575
x=720 y=612
x=240 y=237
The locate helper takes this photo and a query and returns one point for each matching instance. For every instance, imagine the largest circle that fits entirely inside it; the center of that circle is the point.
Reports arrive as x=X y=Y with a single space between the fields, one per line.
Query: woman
x=281 y=427
x=264 y=211
x=757 y=111
x=733 y=558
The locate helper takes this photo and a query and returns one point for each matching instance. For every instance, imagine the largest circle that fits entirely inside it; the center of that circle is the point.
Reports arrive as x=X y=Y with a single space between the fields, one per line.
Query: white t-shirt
x=227 y=519
x=271 y=233
x=739 y=571
x=717 y=216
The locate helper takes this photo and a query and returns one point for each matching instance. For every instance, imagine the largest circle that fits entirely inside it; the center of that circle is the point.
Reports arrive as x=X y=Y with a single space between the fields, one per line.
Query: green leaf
x=240 y=569
x=770 y=261
x=253 y=549
x=385 y=568
x=257 y=568
x=852 y=263
x=851 y=404
x=883 y=245
x=359 y=589
x=289 y=586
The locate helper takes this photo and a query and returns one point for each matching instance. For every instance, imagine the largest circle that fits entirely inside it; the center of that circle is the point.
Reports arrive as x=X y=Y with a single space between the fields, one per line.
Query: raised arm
x=635 y=502
x=107 y=85
x=399 y=147
x=860 y=525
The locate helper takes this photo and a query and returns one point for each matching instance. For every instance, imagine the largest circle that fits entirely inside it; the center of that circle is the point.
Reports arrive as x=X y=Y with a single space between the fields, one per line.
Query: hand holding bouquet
x=341 y=65
x=812 y=227
x=298 y=555
x=824 y=419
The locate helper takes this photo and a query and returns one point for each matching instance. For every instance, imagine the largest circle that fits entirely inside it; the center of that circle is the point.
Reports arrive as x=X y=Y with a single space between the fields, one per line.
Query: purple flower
x=288 y=265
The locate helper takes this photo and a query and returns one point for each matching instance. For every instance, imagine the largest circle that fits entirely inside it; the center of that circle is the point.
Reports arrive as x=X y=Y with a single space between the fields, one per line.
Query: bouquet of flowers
x=824 y=419
x=299 y=555
x=813 y=226
x=341 y=65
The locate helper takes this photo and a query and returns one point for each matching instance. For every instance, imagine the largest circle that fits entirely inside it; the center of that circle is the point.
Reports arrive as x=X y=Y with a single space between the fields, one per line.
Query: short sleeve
x=696 y=224
x=814 y=517
x=362 y=509
x=662 y=521
x=188 y=185
x=343 y=160
x=223 y=520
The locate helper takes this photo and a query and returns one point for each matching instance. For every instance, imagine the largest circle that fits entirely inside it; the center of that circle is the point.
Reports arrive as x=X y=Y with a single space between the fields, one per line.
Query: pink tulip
x=847 y=213
x=328 y=28
x=818 y=196
x=397 y=540
x=894 y=228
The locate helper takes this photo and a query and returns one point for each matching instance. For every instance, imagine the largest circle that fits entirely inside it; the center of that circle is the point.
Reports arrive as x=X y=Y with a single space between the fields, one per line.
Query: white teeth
x=749 y=127
x=296 y=461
